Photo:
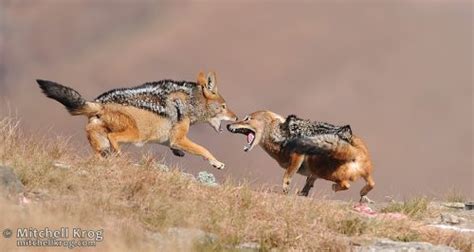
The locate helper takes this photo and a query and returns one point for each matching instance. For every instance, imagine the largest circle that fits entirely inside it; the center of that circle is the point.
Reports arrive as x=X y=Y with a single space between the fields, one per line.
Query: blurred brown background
x=400 y=72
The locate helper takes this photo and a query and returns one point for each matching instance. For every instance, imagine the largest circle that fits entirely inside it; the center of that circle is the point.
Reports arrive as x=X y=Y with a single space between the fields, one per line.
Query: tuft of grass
x=452 y=239
x=416 y=208
x=352 y=226
x=454 y=195
x=409 y=236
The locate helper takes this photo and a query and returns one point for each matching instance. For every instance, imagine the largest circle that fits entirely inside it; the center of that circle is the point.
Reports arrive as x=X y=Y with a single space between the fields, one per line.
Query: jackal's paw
x=177 y=152
x=217 y=164
x=365 y=199
x=303 y=193
x=286 y=189
x=105 y=153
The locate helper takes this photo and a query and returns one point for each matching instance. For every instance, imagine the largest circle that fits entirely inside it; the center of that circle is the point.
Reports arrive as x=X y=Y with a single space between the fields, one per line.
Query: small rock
x=83 y=173
x=249 y=246
x=394 y=246
x=451 y=219
x=10 y=184
x=469 y=205
x=450 y=227
x=61 y=165
x=458 y=205
x=207 y=178
x=162 y=167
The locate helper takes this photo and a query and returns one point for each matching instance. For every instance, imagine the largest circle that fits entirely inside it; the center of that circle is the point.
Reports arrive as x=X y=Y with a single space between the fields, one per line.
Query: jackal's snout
x=232 y=116
x=233 y=127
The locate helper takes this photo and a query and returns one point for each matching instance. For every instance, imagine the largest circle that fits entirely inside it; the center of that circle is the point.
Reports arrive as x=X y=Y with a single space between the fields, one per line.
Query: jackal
x=315 y=150
x=158 y=112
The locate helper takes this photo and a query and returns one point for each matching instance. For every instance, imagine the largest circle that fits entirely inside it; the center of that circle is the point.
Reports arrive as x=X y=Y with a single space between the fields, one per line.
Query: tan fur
x=346 y=164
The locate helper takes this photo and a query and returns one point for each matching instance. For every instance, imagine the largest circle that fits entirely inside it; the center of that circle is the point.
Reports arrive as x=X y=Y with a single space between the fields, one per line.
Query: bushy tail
x=70 y=98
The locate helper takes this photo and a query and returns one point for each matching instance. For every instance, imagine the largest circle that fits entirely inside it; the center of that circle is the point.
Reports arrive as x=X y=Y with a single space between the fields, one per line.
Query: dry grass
x=455 y=195
x=133 y=200
x=416 y=208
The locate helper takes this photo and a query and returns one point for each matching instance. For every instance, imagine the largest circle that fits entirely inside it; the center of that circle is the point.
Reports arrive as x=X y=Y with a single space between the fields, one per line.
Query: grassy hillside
x=137 y=201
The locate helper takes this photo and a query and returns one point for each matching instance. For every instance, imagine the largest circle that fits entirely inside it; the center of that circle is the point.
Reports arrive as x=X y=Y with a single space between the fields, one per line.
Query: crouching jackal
x=315 y=150
x=158 y=112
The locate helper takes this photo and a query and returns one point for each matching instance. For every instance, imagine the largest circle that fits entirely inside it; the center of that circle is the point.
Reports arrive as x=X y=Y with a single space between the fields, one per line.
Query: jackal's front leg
x=177 y=152
x=189 y=146
x=295 y=162
x=179 y=141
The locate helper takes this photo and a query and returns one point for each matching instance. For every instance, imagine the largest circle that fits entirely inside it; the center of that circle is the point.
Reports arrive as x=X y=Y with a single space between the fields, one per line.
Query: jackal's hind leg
x=97 y=136
x=366 y=189
x=307 y=186
x=126 y=136
x=341 y=186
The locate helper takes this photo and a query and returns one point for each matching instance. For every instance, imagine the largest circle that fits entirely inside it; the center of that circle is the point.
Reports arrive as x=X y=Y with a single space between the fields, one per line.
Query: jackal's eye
x=224 y=106
x=247 y=118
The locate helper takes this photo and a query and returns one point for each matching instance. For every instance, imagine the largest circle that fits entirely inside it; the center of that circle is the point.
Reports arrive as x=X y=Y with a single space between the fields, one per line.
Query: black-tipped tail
x=69 y=97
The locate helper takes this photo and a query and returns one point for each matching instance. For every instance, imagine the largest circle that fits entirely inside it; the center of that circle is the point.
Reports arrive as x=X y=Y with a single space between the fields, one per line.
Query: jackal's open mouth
x=245 y=131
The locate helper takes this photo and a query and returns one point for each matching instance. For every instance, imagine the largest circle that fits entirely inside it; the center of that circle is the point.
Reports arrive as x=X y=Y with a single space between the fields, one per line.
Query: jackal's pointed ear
x=208 y=83
x=201 y=79
x=211 y=82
